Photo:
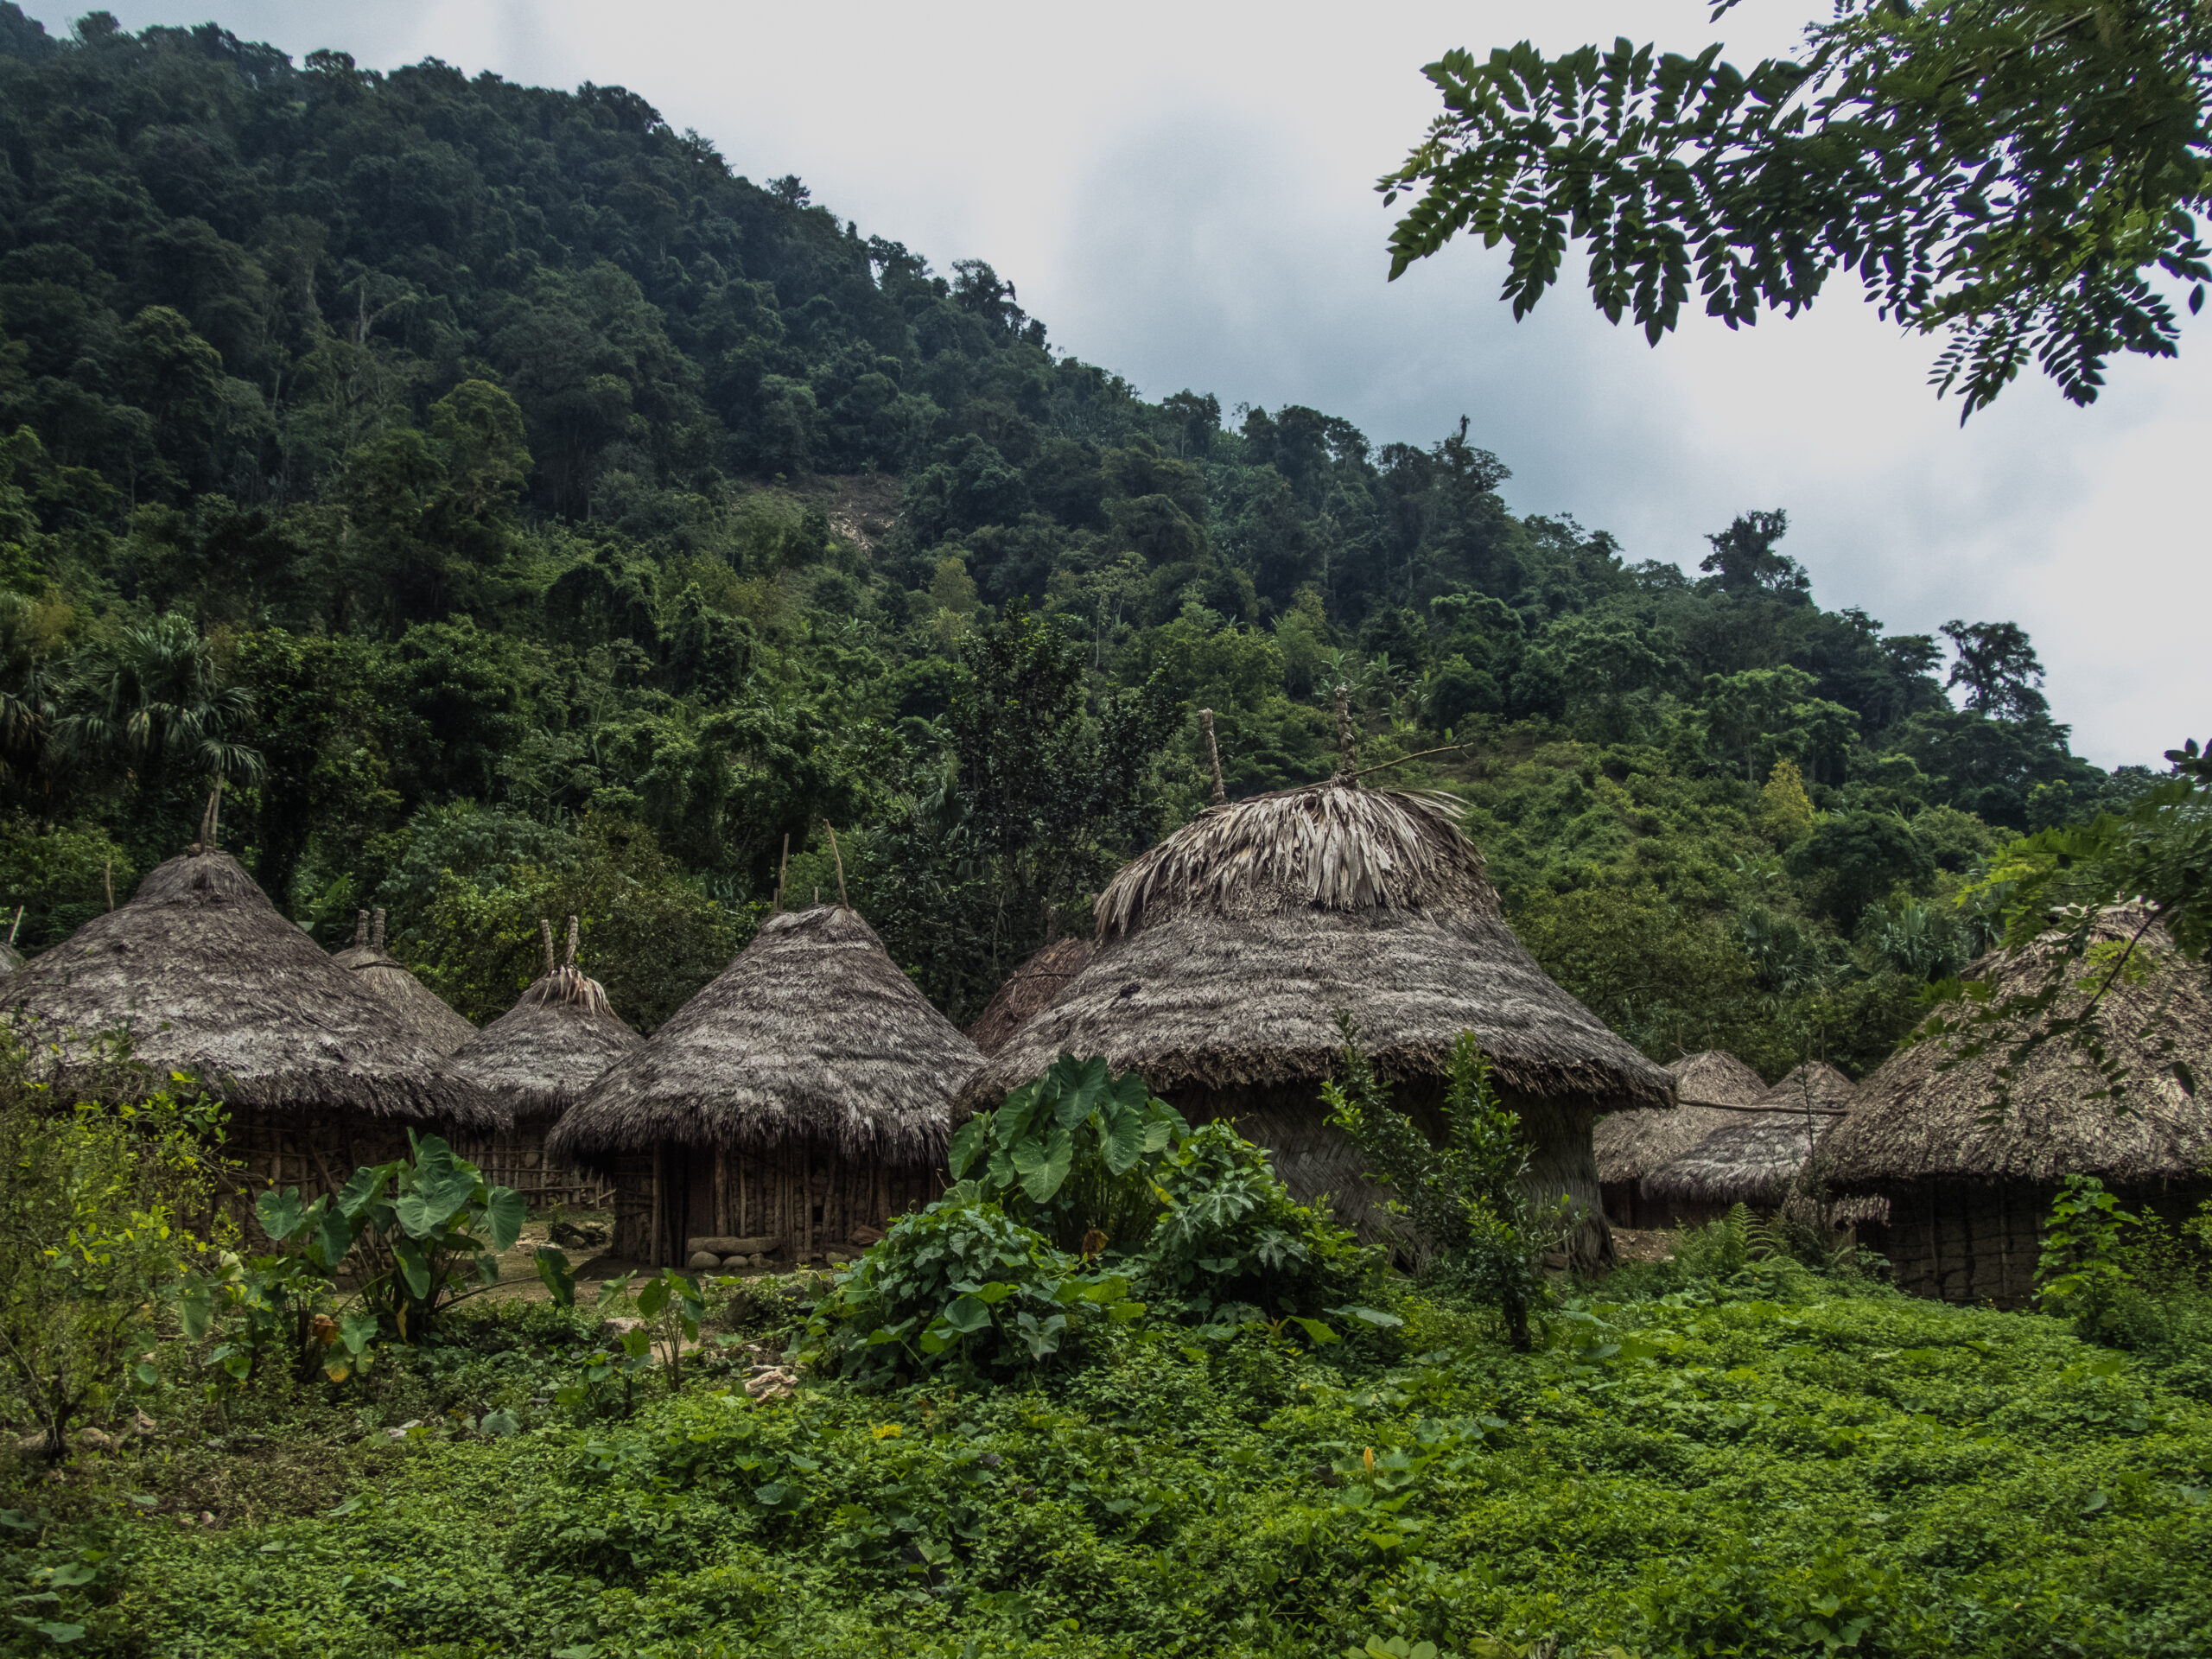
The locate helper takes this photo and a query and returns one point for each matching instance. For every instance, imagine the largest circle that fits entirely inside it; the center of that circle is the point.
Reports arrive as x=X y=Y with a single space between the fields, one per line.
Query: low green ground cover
x=1768 y=1463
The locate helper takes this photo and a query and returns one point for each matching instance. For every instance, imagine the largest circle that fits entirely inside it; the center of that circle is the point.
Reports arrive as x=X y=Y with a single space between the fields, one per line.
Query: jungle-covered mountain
x=522 y=513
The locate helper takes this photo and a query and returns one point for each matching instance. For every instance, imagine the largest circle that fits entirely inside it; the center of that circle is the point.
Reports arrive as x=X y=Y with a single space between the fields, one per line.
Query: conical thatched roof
x=1630 y=1145
x=1225 y=953
x=422 y=1013
x=541 y=1055
x=1913 y=1121
x=209 y=977
x=811 y=1034
x=1752 y=1157
x=1032 y=986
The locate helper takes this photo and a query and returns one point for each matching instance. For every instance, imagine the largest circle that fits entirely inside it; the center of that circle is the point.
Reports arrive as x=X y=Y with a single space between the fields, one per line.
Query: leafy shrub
x=1466 y=1199
x=1073 y=1153
x=98 y=1203
x=1232 y=1234
x=960 y=1284
x=2083 y=1270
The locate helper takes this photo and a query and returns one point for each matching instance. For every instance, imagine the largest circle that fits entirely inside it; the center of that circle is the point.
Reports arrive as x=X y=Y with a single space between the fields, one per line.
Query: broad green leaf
x=413 y=1266
x=367 y=1186
x=356 y=1329
x=280 y=1213
x=612 y=1291
x=333 y=1237
x=1122 y=1135
x=1316 y=1333
x=1082 y=1086
x=442 y=1188
x=967 y=1145
x=196 y=1309
x=503 y=1215
x=1044 y=1165
x=498 y=1423
x=654 y=1296
x=1371 y=1315
x=553 y=1269
x=487 y=1269
x=967 y=1315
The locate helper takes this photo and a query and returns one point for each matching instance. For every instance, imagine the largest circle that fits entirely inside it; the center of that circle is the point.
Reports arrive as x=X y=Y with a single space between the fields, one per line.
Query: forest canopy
x=520 y=512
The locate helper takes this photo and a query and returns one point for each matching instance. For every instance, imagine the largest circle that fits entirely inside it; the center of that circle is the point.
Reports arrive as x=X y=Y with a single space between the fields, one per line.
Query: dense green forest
x=522 y=512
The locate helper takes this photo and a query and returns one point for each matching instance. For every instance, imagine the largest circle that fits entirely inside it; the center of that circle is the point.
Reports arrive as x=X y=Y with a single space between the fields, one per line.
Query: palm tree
x=152 y=699
x=27 y=682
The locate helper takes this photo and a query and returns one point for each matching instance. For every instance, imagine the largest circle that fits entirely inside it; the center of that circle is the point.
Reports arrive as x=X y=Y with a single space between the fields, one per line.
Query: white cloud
x=1183 y=192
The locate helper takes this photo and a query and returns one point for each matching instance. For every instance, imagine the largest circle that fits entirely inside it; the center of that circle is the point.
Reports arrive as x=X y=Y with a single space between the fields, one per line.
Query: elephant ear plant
x=423 y=1232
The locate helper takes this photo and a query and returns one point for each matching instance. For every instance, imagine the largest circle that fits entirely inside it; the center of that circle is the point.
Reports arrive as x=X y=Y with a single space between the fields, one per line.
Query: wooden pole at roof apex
x=782 y=870
x=1347 y=742
x=576 y=930
x=1213 y=756
x=840 y=857
x=545 y=933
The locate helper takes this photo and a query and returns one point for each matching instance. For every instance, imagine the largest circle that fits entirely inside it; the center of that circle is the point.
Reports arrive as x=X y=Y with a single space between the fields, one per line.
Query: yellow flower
x=886 y=1431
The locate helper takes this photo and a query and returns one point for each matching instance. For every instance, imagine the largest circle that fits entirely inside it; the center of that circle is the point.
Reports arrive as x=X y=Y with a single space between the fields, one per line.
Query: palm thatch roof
x=812 y=1034
x=541 y=1055
x=420 y=1012
x=1913 y=1120
x=207 y=977
x=1030 y=987
x=1752 y=1157
x=1630 y=1145
x=1226 y=952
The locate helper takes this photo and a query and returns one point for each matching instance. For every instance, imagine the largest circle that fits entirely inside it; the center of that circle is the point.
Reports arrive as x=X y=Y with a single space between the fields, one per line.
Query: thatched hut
x=206 y=975
x=1032 y=987
x=1628 y=1146
x=1226 y=953
x=420 y=1012
x=804 y=1094
x=1752 y=1157
x=1969 y=1170
x=536 y=1060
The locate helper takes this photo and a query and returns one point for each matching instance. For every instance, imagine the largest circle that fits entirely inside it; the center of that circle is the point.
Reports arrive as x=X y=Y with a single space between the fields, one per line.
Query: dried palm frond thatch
x=1915 y=1119
x=207 y=977
x=1226 y=953
x=1630 y=1145
x=1030 y=987
x=420 y=1012
x=541 y=1055
x=1753 y=1158
x=811 y=1037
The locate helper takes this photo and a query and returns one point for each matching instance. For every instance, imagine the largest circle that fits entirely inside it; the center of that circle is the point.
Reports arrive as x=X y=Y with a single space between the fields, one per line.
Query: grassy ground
x=1773 y=1465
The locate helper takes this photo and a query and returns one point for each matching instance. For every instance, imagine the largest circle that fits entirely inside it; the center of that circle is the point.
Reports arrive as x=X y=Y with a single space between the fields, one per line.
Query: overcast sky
x=1184 y=194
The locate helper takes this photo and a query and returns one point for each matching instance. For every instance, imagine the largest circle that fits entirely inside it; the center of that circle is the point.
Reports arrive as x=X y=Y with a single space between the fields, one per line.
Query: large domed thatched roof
x=1226 y=952
x=1030 y=987
x=1752 y=1157
x=1913 y=1120
x=208 y=977
x=541 y=1055
x=1630 y=1145
x=422 y=1013
x=812 y=1034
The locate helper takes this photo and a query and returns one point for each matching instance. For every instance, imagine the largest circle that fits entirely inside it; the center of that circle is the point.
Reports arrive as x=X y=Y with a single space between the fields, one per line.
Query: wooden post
x=840 y=857
x=782 y=868
x=544 y=932
x=107 y=875
x=1213 y=756
x=1347 y=746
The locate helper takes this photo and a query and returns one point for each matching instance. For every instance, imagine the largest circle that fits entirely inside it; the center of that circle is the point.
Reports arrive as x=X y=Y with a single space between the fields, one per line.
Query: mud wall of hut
x=1314 y=1160
x=808 y=1199
x=1979 y=1242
